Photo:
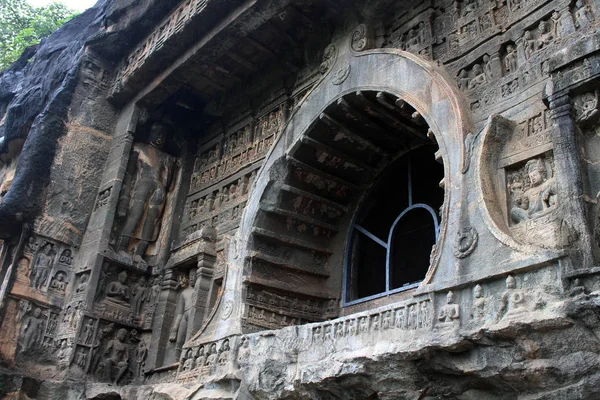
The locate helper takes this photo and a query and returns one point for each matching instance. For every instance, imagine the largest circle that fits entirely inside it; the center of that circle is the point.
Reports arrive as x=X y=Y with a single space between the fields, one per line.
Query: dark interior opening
x=408 y=186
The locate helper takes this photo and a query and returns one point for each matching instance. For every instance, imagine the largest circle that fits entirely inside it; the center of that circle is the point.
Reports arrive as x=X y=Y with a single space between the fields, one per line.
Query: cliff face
x=289 y=199
x=38 y=101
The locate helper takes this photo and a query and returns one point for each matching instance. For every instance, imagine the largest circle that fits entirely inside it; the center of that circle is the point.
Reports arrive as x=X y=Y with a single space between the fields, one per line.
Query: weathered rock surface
x=304 y=200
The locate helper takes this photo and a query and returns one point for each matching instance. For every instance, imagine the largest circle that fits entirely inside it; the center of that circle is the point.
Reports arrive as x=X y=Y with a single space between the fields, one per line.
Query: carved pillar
x=206 y=262
x=568 y=175
x=163 y=317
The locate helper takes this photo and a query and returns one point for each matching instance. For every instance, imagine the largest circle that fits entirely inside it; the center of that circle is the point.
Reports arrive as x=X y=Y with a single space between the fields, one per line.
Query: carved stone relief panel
x=171 y=25
x=275 y=310
x=415 y=37
x=108 y=352
x=586 y=113
x=208 y=360
x=236 y=150
x=470 y=23
x=45 y=271
x=150 y=178
x=526 y=203
x=492 y=78
x=123 y=296
x=221 y=206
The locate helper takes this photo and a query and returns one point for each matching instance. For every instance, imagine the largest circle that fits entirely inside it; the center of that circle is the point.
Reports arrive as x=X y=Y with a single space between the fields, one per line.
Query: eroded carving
x=148 y=179
x=183 y=313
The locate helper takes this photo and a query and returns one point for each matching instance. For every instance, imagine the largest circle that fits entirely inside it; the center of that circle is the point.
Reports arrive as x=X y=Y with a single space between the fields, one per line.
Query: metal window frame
x=387 y=245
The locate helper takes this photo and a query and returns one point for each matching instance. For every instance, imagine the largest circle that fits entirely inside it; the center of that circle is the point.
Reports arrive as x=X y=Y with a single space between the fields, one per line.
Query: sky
x=79 y=5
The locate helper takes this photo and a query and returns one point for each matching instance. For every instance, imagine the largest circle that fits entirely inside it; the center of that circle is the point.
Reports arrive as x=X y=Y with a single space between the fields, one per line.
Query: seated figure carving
x=515 y=301
x=540 y=198
x=58 y=283
x=118 y=291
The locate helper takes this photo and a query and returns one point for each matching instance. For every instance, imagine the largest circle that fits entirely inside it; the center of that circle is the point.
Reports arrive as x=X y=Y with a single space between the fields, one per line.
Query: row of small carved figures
x=197 y=358
x=205 y=177
x=231 y=214
x=308 y=306
x=547 y=32
x=214 y=201
x=417 y=316
x=246 y=150
x=234 y=145
x=174 y=23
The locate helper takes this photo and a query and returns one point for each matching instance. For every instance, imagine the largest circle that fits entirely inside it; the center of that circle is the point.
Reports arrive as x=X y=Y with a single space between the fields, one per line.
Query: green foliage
x=22 y=25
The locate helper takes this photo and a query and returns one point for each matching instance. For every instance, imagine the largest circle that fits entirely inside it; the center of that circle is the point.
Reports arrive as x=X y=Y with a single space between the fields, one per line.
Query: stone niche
x=518 y=183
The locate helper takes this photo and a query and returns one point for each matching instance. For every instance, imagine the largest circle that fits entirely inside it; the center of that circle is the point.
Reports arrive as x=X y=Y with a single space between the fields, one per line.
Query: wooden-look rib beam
x=244 y=63
x=339 y=154
x=323 y=174
x=261 y=48
x=353 y=136
x=382 y=112
x=363 y=118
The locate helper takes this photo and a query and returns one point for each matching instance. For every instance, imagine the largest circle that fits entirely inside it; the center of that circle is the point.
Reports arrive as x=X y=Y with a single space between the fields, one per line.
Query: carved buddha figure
x=82 y=284
x=510 y=60
x=212 y=355
x=449 y=312
x=399 y=321
x=425 y=322
x=140 y=357
x=224 y=352
x=413 y=39
x=43 y=265
x=188 y=365
x=139 y=295
x=183 y=312
x=118 y=291
x=117 y=356
x=145 y=187
x=479 y=77
x=545 y=35
x=58 y=283
x=540 y=198
x=80 y=358
x=200 y=357
x=479 y=304
x=514 y=301
x=88 y=332
x=528 y=44
x=63 y=353
x=33 y=330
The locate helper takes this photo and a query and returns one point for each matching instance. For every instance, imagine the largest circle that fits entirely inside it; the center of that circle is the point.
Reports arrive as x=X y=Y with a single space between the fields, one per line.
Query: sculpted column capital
x=560 y=105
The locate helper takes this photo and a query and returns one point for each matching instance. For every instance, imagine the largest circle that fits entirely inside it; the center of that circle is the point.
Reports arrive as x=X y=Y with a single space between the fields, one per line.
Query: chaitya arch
x=295 y=228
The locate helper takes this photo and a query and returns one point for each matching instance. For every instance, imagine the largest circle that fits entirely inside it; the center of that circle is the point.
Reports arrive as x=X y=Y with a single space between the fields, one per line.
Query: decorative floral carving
x=360 y=38
x=466 y=241
x=329 y=57
x=341 y=74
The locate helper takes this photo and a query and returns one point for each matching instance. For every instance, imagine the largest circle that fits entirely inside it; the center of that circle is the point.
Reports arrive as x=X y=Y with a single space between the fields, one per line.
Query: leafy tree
x=22 y=25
